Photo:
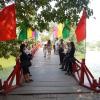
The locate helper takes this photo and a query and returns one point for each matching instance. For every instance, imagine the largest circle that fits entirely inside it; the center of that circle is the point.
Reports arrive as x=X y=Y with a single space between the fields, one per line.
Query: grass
x=6 y=66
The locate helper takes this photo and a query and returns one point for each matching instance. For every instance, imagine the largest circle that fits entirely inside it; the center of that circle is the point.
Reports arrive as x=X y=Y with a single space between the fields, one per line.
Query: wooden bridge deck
x=48 y=78
x=50 y=83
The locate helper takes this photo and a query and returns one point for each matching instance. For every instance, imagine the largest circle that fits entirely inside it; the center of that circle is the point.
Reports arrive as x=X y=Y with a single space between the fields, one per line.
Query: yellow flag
x=60 y=28
x=29 y=33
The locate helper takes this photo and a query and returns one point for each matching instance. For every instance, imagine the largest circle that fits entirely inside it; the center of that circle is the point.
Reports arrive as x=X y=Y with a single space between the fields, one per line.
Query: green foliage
x=12 y=47
x=79 y=55
x=29 y=10
x=45 y=37
x=1 y=4
x=9 y=48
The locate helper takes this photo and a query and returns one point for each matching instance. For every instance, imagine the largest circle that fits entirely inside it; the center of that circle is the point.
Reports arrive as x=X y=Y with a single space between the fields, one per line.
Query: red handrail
x=10 y=84
x=80 y=71
x=16 y=75
x=84 y=76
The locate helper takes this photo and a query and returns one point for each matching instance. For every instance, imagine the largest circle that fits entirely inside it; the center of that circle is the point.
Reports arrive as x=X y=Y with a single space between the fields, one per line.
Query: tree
x=39 y=13
x=63 y=9
x=9 y=48
x=29 y=9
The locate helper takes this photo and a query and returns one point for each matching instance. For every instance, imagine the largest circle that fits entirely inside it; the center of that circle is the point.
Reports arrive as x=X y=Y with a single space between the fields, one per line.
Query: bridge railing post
x=82 y=72
x=18 y=72
x=0 y=84
x=94 y=85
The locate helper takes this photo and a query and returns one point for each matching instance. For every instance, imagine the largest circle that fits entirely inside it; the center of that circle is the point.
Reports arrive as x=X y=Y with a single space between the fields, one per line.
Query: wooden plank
x=48 y=78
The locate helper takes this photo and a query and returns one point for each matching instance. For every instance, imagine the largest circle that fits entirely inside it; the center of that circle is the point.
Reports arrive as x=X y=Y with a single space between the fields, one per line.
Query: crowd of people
x=25 y=61
x=64 y=50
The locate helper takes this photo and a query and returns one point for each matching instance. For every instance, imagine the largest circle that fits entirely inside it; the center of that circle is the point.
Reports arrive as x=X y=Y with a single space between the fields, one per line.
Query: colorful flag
x=33 y=34
x=60 y=28
x=55 y=31
x=8 y=23
x=23 y=32
x=81 y=28
x=66 y=29
x=29 y=33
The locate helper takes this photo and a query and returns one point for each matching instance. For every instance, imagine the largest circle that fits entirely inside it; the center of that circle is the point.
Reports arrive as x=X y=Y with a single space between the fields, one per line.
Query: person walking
x=45 y=50
x=49 y=47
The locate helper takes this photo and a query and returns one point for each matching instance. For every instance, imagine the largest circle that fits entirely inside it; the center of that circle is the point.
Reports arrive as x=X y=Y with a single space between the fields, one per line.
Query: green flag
x=66 y=29
x=23 y=32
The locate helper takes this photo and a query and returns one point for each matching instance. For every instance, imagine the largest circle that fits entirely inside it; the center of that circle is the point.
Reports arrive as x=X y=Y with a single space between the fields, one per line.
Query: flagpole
x=85 y=34
x=85 y=28
x=85 y=49
x=85 y=37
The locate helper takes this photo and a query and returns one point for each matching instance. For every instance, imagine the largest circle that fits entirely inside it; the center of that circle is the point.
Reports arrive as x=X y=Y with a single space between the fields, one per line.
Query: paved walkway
x=50 y=83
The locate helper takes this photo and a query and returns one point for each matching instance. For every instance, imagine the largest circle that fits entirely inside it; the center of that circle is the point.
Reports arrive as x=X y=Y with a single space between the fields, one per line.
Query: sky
x=93 y=31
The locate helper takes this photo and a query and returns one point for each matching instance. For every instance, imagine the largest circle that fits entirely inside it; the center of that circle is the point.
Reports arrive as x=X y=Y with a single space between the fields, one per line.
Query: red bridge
x=50 y=81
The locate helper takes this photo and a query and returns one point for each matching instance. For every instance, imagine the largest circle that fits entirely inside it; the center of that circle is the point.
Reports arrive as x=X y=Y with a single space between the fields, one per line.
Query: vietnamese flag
x=81 y=28
x=8 y=23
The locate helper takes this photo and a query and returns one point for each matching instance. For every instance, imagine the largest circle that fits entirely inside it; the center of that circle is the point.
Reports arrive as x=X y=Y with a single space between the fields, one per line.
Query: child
x=45 y=50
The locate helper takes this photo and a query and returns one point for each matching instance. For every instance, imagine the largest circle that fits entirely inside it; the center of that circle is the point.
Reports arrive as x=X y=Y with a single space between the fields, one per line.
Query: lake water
x=93 y=63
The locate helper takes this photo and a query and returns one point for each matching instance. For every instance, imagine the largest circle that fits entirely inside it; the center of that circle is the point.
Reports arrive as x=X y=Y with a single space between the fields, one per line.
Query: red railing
x=34 y=49
x=80 y=72
x=84 y=76
x=15 y=78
